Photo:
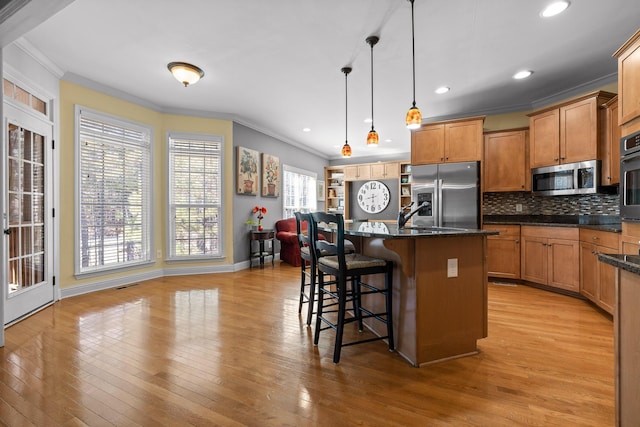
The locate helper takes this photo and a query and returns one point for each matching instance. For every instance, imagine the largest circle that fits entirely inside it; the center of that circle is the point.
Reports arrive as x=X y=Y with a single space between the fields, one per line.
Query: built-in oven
x=630 y=177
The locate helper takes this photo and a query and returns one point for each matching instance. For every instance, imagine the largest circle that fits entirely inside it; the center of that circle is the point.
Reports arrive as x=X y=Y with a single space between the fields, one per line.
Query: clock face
x=373 y=197
x=373 y=227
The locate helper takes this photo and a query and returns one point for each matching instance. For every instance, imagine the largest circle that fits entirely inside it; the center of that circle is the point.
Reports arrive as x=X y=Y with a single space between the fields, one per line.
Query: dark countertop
x=391 y=231
x=629 y=263
x=610 y=223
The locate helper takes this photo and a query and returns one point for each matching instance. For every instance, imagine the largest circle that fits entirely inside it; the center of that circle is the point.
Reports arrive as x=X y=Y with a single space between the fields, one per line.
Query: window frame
x=147 y=229
x=217 y=138
x=313 y=197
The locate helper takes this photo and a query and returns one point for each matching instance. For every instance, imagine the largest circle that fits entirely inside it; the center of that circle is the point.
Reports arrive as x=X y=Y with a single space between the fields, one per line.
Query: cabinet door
x=579 y=131
x=427 y=145
x=534 y=259
x=608 y=273
x=463 y=141
x=611 y=164
x=503 y=257
x=350 y=173
x=385 y=170
x=504 y=161
x=588 y=271
x=629 y=81
x=564 y=264
x=544 y=148
x=357 y=172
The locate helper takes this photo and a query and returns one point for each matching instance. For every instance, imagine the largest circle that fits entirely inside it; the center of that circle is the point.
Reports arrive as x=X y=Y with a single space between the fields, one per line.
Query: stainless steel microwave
x=570 y=178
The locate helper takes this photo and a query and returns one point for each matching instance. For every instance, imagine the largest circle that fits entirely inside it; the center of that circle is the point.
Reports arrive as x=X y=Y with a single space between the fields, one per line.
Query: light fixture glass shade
x=414 y=118
x=372 y=138
x=346 y=150
x=185 y=73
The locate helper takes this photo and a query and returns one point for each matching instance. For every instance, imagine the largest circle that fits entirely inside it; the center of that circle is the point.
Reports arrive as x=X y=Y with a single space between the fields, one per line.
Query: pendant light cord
x=413 y=54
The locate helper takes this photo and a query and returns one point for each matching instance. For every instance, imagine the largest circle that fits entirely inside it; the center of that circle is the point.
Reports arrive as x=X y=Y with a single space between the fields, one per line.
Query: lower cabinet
x=503 y=251
x=551 y=256
x=597 y=279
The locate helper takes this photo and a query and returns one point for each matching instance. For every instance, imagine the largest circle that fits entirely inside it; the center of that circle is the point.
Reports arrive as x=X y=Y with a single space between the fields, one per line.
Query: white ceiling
x=275 y=65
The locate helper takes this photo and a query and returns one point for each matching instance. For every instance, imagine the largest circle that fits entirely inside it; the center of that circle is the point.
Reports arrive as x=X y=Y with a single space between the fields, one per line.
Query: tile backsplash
x=591 y=204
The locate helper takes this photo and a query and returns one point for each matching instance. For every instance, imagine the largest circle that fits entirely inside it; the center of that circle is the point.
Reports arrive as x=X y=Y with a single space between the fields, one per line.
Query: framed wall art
x=270 y=176
x=320 y=190
x=247 y=175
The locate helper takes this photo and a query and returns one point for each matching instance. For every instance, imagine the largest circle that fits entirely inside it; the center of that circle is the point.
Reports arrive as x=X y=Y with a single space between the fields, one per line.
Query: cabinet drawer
x=571 y=233
x=600 y=238
x=504 y=230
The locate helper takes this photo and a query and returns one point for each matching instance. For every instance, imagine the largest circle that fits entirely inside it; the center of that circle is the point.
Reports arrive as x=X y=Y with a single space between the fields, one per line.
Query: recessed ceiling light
x=442 y=89
x=368 y=120
x=388 y=140
x=522 y=74
x=306 y=130
x=554 y=8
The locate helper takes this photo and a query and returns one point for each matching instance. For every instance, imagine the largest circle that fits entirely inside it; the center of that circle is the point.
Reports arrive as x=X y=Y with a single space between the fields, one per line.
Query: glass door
x=27 y=217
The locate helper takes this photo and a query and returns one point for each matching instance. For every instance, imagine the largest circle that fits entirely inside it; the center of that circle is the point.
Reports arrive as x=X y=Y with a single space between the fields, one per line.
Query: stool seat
x=353 y=261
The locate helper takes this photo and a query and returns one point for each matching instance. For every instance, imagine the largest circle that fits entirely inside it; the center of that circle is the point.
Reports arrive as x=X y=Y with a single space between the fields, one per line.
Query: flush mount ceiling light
x=346 y=149
x=554 y=9
x=372 y=136
x=185 y=73
x=414 y=116
x=522 y=74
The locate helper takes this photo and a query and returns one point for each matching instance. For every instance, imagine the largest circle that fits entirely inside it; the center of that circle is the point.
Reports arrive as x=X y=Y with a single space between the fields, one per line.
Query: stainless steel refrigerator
x=451 y=192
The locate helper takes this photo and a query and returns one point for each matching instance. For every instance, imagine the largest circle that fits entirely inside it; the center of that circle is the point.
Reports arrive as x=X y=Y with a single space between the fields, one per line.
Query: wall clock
x=373 y=197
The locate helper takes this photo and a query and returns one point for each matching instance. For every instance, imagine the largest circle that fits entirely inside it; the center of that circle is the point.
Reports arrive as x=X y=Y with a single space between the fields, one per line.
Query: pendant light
x=414 y=116
x=372 y=136
x=346 y=149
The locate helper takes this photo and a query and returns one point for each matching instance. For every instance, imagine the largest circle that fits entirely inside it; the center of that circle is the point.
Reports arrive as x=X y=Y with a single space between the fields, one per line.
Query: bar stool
x=334 y=296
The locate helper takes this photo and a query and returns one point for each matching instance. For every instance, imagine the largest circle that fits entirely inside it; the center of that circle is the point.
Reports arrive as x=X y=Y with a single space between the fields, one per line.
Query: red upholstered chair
x=289 y=246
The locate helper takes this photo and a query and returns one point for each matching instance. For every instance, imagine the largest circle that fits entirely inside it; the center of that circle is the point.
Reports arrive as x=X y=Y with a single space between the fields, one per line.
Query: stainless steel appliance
x=630 y=177
x=570 y=178
x=451 y=192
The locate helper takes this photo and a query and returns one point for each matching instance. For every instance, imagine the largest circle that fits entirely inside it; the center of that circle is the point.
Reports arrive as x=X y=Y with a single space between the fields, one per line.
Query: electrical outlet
x=518 y=207
x=159 y=253
x=452 y=267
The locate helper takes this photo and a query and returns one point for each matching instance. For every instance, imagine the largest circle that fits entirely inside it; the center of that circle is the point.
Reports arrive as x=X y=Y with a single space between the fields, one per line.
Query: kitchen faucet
x=402 y=218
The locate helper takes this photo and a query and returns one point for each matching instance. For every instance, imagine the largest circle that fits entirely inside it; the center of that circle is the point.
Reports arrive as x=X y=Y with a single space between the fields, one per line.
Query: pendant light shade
x=414 y=116
x=372 y=136
x=346 y=149
x=185 y=73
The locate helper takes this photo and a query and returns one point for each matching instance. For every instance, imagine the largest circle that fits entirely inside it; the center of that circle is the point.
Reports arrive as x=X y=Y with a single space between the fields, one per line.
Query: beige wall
x=72 y=95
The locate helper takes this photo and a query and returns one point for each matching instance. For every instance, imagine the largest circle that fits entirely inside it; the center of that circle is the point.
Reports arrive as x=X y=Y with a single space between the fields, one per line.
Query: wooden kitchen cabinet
x=597 y=279
x=569 y=132
x=448 y=142
x=503 y=251
x=385 y=170
x=630 y=238
x=551 y=256
x=506 y=161
x=629 y=80
x=357 y=172
x=611 y=151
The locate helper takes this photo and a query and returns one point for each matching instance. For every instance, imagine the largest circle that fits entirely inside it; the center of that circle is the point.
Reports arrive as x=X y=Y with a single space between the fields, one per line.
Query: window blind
x=299 y=191
x=114 y=192
x=195 y=196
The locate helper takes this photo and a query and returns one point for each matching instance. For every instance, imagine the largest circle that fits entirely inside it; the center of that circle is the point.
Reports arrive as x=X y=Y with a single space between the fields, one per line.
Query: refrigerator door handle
x=440 y=203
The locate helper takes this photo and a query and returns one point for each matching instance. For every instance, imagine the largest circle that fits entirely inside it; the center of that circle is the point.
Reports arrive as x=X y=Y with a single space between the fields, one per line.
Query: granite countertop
x=609 y=223
x=629 y=263
x=388 y=230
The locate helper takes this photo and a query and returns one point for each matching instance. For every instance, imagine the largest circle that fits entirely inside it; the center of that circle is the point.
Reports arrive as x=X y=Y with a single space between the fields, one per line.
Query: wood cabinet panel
x=357 y=172
x=386 y=170
x=629 y=79
x=627 y=349
x=611 y=141
x=506 y=161
x=452 y=141
x=503 y=251
x=564 y=264
x=579 y=131
x=534 y=259
x=597 y=279
x=545 y=139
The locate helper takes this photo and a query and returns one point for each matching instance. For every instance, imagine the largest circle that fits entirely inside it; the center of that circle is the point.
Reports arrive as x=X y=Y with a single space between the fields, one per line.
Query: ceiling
x=275 y=65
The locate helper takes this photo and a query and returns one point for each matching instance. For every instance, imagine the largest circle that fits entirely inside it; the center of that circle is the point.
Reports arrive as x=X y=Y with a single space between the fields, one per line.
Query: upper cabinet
x=506 y=161
x=365 y=171
x=629 y=80
x=611 y=140
x=447 y=142
x=569 y=132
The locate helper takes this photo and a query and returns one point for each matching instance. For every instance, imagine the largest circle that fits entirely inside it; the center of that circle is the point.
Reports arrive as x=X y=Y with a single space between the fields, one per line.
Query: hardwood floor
x=231 y=350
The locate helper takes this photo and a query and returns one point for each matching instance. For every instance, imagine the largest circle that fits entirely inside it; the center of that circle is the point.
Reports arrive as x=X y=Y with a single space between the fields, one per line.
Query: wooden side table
x=261 y=237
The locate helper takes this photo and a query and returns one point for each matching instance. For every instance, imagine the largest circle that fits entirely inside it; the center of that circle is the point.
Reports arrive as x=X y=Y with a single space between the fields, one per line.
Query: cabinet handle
x=522 y=186
x=517 y=242
x=555 y=159
x=594 y=252
x=562 y=158
x=441 y=159
x=595 y=237
x=446 y=158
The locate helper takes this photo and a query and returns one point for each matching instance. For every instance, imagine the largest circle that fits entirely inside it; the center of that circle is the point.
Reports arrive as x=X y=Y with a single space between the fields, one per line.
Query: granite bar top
x=629 y=263
x=609 y=223
x=392 y=231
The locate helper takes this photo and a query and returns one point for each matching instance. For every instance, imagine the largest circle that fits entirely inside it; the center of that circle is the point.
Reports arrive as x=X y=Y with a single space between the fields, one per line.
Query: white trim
x=29 y=49
x=299 y=171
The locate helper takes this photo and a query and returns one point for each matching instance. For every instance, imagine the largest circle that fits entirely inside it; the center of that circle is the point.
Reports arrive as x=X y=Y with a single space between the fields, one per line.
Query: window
x=195 y=196
x=113 y=201
x=299 y=190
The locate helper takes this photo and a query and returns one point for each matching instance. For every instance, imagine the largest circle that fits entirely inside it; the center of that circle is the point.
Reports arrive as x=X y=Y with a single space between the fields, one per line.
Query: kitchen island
x=439 y=286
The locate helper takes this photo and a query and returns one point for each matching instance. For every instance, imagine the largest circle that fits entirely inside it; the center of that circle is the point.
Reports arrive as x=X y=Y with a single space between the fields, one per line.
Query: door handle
x=7 y=231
